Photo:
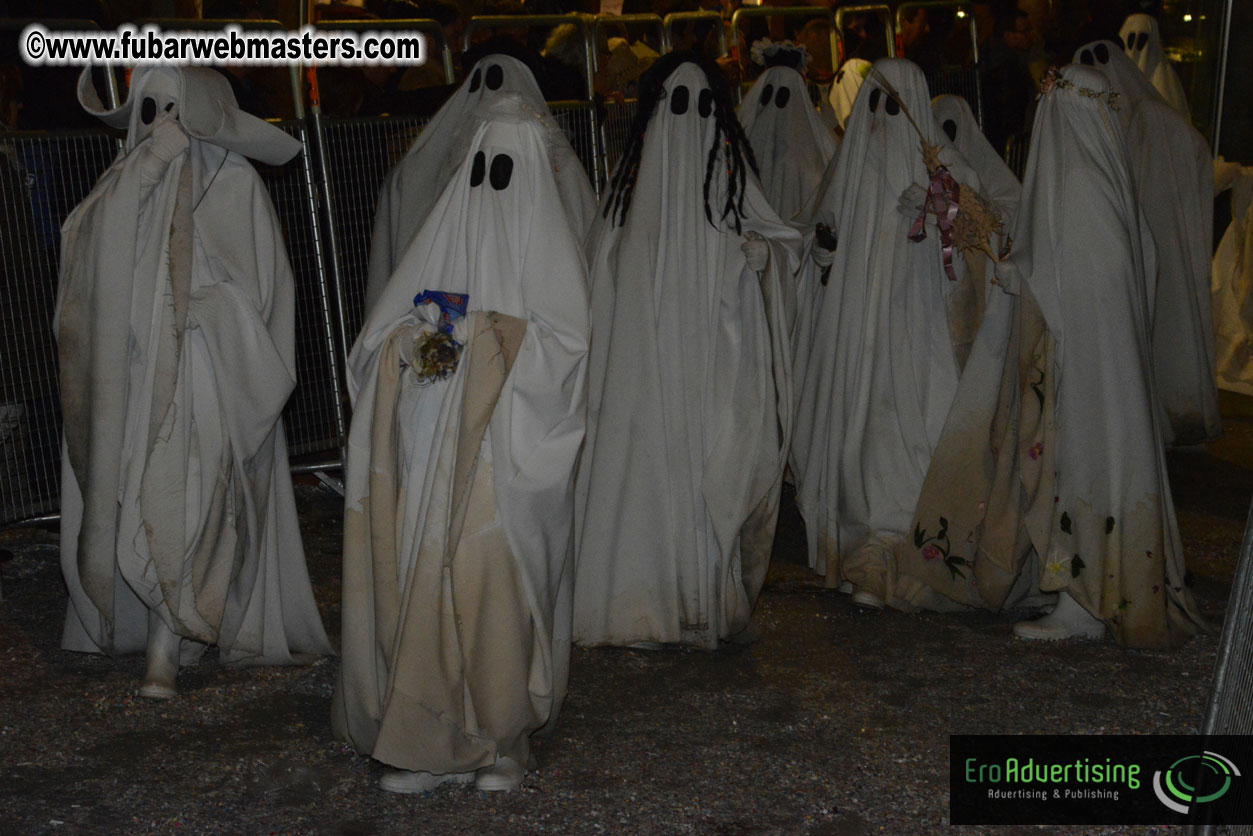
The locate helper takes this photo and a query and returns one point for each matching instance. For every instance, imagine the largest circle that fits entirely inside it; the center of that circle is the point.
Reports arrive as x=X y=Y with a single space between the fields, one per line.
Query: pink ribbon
x=941 y=201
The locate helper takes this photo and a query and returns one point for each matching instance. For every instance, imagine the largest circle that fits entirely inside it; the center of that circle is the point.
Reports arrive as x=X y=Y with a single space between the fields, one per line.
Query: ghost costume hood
x=1174 y=177
x=879 y=367
x=848 y=81
x=175 y=317
x=459 y=483
x=790 y=144
x=689 y=388
x=1142 y=40
x=960 y=126
x=415 y=183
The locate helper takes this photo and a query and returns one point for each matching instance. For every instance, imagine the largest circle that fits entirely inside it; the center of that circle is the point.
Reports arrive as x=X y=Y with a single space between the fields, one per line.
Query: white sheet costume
x=459 y=491
x=959 y=124
x=791 y=145
x=175 y=319
x=1054 y=443
x=689 y=393
x=882 y=365
x=848 y=81
x=1232 y=289
x=1174 y=178
x=415 y=183
x=1142 y=41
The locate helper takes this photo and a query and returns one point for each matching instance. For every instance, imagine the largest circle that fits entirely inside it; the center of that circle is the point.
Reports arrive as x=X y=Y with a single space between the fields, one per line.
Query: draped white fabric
x=416 y=182
x=689 y=396
x=791 y=144
x=175 y=328
x=1174 y=178
x=1142 y=39
x=959 y=125
x=459 y=492
x=1111 y=539
x=848 y=80
x=881 y=368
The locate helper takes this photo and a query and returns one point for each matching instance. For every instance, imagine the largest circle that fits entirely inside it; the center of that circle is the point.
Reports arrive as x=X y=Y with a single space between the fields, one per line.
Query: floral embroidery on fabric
x=939 y=547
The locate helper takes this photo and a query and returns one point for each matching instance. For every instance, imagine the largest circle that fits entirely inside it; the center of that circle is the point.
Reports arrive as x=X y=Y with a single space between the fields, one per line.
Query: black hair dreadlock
x=739 y=156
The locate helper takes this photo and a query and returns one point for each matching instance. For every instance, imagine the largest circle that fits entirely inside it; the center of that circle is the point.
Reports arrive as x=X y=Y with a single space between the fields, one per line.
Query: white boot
x=162 y=655
x=1068 y=620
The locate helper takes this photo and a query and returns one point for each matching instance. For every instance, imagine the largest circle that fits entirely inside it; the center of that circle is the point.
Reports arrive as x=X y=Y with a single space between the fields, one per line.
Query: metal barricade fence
x=960 y=80
x=617 y=132
x=882 y=15
x=43 y=177
x=1016 y=149
x=314 y=418
x=1230 y=709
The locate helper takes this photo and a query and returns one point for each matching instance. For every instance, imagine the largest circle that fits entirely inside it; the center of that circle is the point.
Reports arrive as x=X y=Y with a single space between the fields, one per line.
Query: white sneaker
x=408 y=781
x=1068 y=620
x=867 y=600
x=503 y=776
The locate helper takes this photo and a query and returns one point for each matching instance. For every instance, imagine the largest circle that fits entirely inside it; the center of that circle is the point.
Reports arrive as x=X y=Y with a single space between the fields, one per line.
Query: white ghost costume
x=881 y=367
x=1174 y=178
x=789 y=141
x=959 y=125
x=458 y=524
x=1232 y=290
x=175 y=330
x=1074 y=453
x=415 y=183
x=848 y=81
x=1142 y=41
x=689 y=395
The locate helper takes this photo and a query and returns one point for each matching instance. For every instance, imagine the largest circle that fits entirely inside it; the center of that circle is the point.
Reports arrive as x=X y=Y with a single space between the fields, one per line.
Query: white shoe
x=407 y=781
x=845 y=588
x=1068 y=620
x=503 y=776
x=867 y=600
x=157 y=691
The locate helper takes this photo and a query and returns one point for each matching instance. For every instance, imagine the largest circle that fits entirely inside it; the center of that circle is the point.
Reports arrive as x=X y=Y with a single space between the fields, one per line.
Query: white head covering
x=1112 y=541
x=959 y=125
x=415 y=183
x=689 y=394
x=789 y=141
x=881 y=368
x=1171 y=164
x=498 y=233
x=844 y=89
x=1142 y=41
x=202 y=101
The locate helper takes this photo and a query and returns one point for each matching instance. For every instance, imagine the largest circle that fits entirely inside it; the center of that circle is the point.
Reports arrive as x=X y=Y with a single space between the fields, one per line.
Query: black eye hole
x=1085 y=57
x=781 y=98
x=950 y=128
x=1141 y=40
x=839 y=76
x=874 y=99
x=169 y=107
x=705 y=102
x=1102 y=53
x=891 y=105
x=502 y=171
x=476 y=79
x=766 y=93
x=678 y=100
x=148 y=110
x=476 y=170
x=495 y=77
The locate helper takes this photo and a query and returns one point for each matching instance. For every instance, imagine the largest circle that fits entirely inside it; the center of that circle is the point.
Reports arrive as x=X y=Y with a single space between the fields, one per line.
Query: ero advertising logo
x=1212 y=773
x=1099 y=779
